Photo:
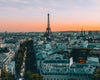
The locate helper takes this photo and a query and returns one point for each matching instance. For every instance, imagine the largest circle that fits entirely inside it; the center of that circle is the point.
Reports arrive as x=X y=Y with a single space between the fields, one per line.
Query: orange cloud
x=40 y=10
x=63 y=12
x=12 y=9
x=76 y=11
x=20 y=1
x=95 y=11
x=30 y=9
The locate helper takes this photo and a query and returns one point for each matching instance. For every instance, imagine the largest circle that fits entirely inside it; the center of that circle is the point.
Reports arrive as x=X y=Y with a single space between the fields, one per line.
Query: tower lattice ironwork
x=48 y=34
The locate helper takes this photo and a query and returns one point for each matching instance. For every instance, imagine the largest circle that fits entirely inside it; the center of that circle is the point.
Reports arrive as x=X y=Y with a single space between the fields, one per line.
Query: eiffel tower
x=48 y=34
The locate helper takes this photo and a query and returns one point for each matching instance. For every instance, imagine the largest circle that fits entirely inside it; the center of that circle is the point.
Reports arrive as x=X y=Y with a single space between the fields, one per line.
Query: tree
x=7 y=76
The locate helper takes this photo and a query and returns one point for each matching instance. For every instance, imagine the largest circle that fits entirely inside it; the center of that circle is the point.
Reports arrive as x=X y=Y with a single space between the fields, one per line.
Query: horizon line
x=45 y=31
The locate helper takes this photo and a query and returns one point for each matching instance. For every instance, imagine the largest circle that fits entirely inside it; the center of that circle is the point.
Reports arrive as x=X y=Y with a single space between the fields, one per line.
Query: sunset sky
x=65 y=15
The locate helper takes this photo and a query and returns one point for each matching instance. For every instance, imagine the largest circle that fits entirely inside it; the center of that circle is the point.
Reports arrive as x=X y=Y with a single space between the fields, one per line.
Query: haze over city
x=65 y=15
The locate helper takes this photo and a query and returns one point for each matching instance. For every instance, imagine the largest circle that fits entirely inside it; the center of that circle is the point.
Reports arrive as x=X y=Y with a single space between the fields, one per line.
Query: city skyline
x=65 y=15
